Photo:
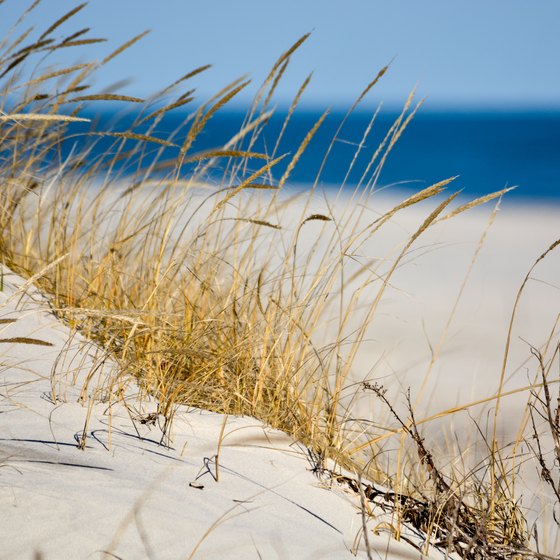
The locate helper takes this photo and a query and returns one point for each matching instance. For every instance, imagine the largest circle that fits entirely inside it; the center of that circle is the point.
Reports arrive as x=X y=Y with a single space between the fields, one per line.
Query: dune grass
x=234 y=295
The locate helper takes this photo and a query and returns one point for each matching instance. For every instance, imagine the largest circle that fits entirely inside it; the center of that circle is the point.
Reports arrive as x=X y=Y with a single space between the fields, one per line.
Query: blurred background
x=503 y=52
x=488 y=71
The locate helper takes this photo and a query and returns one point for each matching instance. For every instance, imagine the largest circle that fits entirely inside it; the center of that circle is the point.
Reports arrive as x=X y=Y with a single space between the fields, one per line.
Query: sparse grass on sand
x=218 y=296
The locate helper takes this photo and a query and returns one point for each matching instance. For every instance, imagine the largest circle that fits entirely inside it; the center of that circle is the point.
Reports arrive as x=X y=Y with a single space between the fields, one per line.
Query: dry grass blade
x=262 y=119
x=159 y=112
x=282 y=59
x=237 y=138
x=258 y=222
x=33 y=5
x=344 y=120
x=291 y=110
x=17 y=117
x=275 y=82
x=359 y=149
x=280 y=63
x=61 y=20
x=302 y=148
x=124 y=47
x=223 y=153
x=135 y=136
x=24 y=52
x=202 y=118
x=21 y=55
x=226 y=516
x=416 y=198
x=11 y=47
x=75 y=35
x=474 y=203
x=424 y=194
x=257 y=186
x=192 y=74
x=25 y=340
x=317 y=217
x=431 y=217
x=106 y=97
x=55 y=74
x=69 y=43
x=369 y=87
x=395 y=136
x=249 y=181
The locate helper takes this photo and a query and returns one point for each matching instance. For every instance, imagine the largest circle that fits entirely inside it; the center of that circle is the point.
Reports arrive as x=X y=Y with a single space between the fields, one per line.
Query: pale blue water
x=488 y=150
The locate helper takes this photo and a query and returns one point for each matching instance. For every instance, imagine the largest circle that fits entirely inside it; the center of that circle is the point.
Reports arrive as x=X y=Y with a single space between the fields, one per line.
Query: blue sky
x=459 y=53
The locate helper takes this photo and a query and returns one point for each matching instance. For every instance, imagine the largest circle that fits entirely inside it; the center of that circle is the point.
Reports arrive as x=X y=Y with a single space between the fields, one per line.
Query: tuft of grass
x=219 y=295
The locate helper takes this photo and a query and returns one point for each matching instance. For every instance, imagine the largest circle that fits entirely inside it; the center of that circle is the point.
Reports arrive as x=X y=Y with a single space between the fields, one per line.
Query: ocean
x=487 y=150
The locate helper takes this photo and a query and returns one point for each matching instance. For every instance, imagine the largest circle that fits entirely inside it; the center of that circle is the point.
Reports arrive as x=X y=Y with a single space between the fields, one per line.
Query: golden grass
x=209 y=296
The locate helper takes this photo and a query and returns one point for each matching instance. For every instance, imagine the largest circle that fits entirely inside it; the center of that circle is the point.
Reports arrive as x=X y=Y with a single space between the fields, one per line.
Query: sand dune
x=217 y=487
x=127 y=494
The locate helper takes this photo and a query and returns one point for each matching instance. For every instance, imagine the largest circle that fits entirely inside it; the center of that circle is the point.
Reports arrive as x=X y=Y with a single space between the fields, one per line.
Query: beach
x=83 y=478
x=242 y=323
x=213 y=486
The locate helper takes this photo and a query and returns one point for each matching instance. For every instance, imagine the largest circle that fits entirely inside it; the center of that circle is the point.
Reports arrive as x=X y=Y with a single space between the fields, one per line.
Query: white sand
x=127 y=496
x=131 y=497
